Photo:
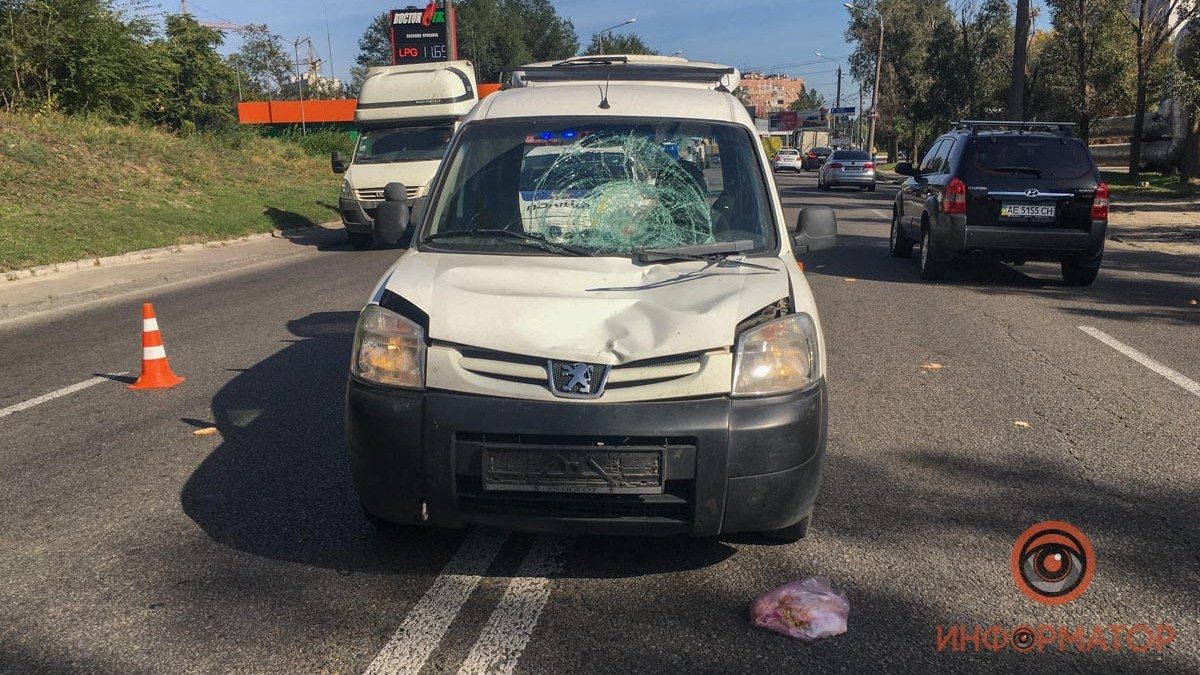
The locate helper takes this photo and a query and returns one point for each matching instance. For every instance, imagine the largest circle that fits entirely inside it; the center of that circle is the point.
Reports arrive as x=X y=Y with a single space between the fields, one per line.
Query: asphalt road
x=127 y=544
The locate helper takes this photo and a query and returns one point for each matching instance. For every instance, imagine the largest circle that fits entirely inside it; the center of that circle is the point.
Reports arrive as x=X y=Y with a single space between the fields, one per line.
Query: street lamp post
x=600 y=34
x=878 y=68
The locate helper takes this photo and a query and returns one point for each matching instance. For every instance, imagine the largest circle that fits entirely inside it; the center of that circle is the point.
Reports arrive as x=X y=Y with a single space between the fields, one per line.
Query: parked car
x=589 y=333
x=787 y=159
x=847 y=168
x=814 y=158
x=1011 y=191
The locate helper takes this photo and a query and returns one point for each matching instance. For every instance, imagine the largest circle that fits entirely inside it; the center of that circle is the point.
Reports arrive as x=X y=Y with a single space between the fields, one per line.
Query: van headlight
x=775 y=357
x=388 y=349
x=347 y=190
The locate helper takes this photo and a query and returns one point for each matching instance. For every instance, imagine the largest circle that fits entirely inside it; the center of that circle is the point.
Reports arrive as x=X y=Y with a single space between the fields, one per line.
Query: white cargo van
x=591 y=329
x=406 y=116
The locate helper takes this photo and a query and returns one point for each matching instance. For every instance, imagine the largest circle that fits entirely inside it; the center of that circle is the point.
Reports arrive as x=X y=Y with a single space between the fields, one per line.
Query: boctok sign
x=423 y=35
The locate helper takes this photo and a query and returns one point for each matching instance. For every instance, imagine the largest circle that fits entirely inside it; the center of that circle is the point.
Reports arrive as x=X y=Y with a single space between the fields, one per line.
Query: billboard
x=423 y=34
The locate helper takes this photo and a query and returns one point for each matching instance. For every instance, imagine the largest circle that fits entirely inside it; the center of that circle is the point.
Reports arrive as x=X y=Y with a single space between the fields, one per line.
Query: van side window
x=927 y=164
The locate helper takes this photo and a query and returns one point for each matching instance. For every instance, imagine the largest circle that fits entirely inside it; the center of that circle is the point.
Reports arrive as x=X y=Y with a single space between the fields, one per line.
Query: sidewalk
x=1168 y=224
x=70 y=285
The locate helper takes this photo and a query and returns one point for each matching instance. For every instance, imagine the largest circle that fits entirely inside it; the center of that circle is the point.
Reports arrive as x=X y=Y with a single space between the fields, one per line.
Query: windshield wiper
x=1018 y=169
x=530 y=240
x=715 y=252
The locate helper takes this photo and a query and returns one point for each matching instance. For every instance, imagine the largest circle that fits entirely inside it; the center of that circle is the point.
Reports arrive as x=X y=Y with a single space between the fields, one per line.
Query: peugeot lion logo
x=1032 y=193
x=569 y=379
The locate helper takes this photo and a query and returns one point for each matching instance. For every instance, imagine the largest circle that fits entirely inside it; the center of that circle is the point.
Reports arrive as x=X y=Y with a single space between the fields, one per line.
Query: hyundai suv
x=1009 y=191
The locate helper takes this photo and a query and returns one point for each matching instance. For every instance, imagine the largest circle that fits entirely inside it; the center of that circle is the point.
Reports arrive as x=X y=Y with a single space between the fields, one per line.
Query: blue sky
x=743 y=33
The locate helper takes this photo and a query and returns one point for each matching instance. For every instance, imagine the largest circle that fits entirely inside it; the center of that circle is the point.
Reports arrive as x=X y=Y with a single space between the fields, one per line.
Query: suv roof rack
x=1020 y=126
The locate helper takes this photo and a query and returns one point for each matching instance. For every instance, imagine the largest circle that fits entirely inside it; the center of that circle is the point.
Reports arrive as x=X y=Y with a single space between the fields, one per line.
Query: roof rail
x=623 y=68
x=1020 y=126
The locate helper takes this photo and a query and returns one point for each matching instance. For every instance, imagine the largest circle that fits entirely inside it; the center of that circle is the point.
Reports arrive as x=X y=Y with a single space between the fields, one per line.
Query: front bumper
x=730 y=465
x=357 y=216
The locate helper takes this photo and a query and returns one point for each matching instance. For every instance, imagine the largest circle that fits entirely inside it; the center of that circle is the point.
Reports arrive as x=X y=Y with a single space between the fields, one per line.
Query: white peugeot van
x=590 y=331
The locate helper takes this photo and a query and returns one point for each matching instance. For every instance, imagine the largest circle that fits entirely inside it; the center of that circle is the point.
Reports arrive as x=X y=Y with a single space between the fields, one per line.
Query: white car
x=788 y=159
x=590 y=330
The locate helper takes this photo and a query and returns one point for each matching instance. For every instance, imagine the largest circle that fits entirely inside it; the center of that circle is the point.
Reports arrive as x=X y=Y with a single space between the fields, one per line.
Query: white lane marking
x=1175 y=376
x=428 y=621
x=881 y=214
x=58 y=393
x=508 y=630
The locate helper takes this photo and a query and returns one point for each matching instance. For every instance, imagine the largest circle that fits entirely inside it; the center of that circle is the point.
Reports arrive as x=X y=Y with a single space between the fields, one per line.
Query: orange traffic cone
x=156 y=372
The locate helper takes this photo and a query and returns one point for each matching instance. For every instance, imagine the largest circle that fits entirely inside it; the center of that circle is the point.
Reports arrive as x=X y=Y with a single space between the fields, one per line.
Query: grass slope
x=74 y=188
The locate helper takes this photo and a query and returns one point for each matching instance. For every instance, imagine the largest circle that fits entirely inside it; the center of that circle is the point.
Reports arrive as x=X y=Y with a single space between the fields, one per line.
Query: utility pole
x=1016 y=89
x=878 y=69
x=833 y=123
x=300 y=82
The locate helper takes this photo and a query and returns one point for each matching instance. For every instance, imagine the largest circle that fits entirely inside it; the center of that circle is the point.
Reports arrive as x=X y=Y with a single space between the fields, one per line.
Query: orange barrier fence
x=314 y=112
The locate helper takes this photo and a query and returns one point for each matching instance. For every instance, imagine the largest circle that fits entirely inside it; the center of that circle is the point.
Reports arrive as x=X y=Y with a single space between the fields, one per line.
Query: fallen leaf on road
x=1021 y=424
x=930 y=366
x=206 y=431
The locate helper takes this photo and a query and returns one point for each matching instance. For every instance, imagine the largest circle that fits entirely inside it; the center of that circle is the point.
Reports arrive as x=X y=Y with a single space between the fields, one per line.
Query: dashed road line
x=1175 y=376
x=58 y=393
x=428 y=621
x=511 y=625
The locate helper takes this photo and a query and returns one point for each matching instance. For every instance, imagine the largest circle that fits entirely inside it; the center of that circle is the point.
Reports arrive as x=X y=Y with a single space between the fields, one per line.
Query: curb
x=146 y=254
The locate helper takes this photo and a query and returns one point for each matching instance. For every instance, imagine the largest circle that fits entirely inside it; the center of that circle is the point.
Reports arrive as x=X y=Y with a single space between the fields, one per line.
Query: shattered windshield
x=403 y=144
x=602 y=188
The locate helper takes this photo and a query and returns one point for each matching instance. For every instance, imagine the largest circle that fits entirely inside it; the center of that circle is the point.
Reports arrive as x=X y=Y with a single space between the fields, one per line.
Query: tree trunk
x=1189 y=168
x=1016 y=89
x=893 y=150
x=1139 y=121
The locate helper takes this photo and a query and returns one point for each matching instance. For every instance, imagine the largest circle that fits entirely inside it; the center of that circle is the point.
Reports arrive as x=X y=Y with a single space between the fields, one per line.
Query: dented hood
x=597 y=310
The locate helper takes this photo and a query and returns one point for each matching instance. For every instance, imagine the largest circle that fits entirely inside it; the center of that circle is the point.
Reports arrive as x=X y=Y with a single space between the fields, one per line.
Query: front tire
x=931 y=268
x=899 y=243
x=790 y=534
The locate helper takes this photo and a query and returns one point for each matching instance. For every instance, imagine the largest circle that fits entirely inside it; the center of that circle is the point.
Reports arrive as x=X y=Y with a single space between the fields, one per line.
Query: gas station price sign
x=423 y=35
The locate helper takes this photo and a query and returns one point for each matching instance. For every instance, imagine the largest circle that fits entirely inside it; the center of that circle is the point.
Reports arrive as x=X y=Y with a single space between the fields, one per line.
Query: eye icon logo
x=1053 y=562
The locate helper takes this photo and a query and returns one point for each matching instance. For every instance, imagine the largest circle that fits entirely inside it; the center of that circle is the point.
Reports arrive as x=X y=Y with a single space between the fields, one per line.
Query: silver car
x=853 y=168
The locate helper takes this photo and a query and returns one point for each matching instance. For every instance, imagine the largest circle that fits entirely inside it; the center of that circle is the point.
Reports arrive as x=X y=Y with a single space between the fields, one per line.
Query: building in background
x=771 y=93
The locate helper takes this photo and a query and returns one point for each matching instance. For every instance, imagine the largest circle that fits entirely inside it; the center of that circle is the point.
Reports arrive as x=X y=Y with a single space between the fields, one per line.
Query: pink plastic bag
x=807 y=609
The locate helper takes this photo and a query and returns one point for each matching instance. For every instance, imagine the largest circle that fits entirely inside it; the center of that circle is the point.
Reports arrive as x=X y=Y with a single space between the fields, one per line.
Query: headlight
x=388 y=349
x=776 y=357
x=347 y=191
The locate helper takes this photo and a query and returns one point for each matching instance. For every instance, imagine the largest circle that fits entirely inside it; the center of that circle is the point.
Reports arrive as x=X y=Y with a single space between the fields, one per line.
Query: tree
x=201 y=94
x=1085 y=67
x=624 y=43
x=809 y=99
x=1016 y=88
x=971 y=55
x=374 y=49
x=1185 y=88
x=1152 y=23
x=264 y=67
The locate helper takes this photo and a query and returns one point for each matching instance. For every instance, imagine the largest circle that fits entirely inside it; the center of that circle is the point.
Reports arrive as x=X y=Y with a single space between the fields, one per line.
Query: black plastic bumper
x=955 y=238
x=355 y=217
x=730 y=465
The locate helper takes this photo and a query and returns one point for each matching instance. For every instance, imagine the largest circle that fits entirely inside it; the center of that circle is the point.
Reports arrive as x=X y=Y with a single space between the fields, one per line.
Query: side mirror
x=338 y=164
x=816 y=229
x=906 y=169
x=392 y=216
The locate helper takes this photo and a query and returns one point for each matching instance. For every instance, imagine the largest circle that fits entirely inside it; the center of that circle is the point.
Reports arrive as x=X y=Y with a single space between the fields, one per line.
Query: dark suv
x=1011 y=191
